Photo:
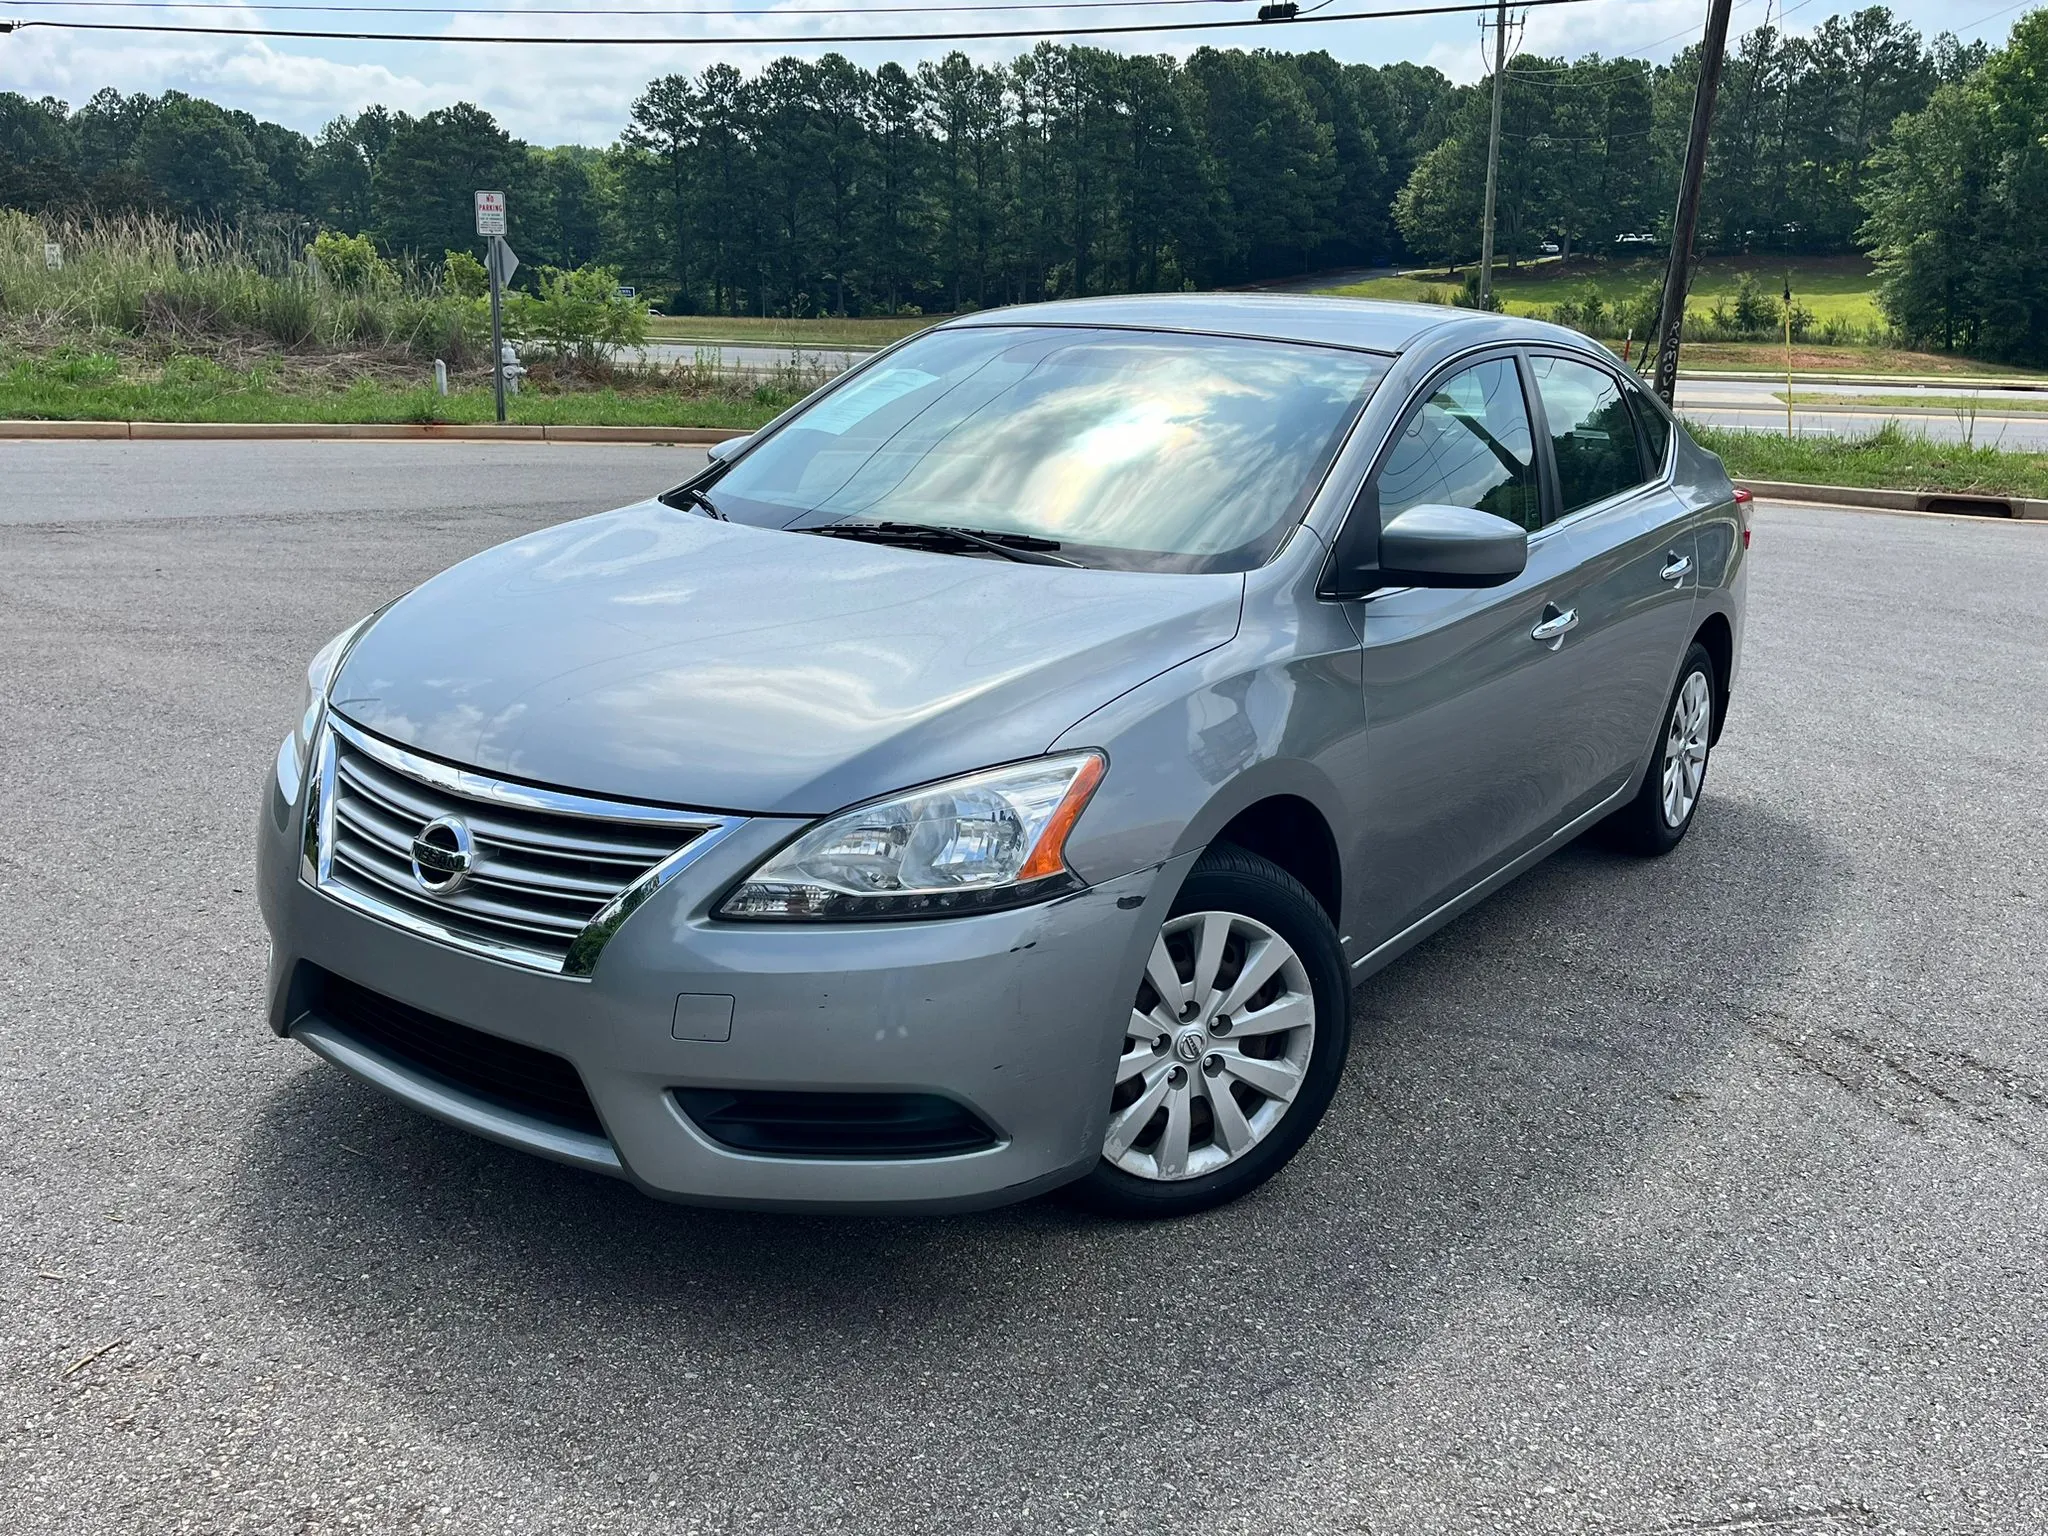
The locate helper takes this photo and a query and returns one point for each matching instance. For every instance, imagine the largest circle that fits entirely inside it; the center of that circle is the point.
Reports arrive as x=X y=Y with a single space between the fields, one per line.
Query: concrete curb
x=1952 y=502
x=274 y=431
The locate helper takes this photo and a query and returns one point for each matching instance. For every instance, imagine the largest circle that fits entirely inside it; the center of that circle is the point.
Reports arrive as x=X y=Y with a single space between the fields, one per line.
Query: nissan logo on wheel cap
x=442 y=856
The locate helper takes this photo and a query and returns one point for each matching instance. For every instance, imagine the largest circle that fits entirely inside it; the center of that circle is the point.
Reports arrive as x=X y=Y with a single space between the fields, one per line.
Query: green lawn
x=2004 y=404
x=96 y=387
x=1831 y=287
x=80 y=385
x=1888 y=459
x=738 y=329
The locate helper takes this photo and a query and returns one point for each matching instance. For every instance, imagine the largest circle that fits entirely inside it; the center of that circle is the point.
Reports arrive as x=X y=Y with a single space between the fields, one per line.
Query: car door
x=1637 y=565
x=1464 y=764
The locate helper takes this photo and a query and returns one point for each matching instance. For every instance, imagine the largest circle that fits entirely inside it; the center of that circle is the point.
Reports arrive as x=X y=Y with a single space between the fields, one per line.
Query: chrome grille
x=553 y=874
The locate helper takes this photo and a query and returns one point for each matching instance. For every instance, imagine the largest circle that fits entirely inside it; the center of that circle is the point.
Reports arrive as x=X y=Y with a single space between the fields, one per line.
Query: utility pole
x=1500 y=71
x=1685 y=219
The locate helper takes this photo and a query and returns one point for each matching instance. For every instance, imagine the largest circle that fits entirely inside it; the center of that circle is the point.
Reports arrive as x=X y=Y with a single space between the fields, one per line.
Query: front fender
x=1205 y=741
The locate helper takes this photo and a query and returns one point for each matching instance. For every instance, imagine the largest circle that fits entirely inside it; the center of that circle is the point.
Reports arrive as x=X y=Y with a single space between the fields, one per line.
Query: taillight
x=1743 y=498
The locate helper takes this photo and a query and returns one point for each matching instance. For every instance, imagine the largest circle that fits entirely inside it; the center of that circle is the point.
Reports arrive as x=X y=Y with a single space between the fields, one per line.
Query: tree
x=424 y=184
x=199 y=160
x=1438 y=208
x=1358 y=228
x=342 y=166
x=663 y=128
x=38 y=168
x=840 y=92
x=897 y=201
x=1275 y=163
x=783 y=127
x=1958 y=208
x=721 y=181
x=1162 y=192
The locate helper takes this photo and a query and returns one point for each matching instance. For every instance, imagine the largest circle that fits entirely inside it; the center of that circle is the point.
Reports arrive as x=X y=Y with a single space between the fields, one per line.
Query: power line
x=1529 y=75
x=658 y=10
x=2018 y=5
x=828 y=40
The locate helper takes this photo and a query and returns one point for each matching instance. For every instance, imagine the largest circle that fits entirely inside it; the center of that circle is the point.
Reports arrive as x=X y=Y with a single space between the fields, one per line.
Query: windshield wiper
x=692 y=496
x=1024 y=548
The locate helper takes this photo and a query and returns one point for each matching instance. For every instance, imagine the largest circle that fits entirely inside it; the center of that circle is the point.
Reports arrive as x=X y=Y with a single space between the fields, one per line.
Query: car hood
x=653 y=654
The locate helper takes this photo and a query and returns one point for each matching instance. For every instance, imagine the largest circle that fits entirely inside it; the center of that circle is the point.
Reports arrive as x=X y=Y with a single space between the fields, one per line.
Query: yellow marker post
x=1788 y=353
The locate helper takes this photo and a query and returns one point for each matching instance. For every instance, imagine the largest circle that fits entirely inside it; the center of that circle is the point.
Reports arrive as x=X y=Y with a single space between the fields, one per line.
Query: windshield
x=1137 y=449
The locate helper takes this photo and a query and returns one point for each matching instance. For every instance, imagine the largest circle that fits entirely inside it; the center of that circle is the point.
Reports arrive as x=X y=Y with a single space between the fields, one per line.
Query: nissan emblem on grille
x=524 y=875
x=443 y=855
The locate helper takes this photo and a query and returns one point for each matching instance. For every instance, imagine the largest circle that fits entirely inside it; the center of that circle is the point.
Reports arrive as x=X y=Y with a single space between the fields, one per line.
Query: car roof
x=1376 y=325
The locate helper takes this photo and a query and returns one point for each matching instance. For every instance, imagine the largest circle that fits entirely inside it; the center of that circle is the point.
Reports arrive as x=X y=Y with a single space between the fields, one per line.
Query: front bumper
x=1019 y=1016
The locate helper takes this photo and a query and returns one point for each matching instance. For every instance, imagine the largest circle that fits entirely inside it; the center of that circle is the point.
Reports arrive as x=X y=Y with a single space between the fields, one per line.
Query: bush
x=1467 y=297
x=465 y=277
x=577 y=315
x=1756 y=311
x=350 y=262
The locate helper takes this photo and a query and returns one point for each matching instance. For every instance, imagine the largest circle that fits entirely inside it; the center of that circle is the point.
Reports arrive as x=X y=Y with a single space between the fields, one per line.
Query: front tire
x=1655 y=822
x=1235 y=1044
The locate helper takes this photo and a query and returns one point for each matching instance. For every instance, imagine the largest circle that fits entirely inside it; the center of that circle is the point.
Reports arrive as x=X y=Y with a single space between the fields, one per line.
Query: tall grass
x=148 y=277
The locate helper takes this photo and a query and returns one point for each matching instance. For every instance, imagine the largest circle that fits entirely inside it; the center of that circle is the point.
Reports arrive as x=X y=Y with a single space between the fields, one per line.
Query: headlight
x=319 y=673
x=991 y=839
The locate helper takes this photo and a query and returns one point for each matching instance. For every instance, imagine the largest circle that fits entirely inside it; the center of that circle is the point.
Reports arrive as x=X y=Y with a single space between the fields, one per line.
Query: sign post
x=490 y=223
x=53 y=256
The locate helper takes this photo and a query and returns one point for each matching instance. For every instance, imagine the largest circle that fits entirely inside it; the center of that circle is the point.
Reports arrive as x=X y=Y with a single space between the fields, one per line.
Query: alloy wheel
x=1217 y=1046
x=1685 y=748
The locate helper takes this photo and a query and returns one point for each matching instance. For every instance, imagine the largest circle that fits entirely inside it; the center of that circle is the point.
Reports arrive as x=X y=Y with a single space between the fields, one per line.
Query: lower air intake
x=500 y=1072
x=771 y=1123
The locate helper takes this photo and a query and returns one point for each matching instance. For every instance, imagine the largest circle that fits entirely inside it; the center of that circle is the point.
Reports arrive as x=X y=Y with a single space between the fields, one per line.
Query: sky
x=581 y=94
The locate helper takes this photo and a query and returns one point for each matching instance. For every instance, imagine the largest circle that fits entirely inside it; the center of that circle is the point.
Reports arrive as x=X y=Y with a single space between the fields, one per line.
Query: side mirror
x=718 y=453
x=1426 y=546
x=1435 y=546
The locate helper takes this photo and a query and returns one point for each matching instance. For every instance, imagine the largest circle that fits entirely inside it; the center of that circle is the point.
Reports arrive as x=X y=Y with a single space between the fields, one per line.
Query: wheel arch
x=1293 y=833
x=1718 y=636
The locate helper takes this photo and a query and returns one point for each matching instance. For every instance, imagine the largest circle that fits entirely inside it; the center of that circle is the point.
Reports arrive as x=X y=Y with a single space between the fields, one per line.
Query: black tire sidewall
x=1228 y=879
x=1644 y=828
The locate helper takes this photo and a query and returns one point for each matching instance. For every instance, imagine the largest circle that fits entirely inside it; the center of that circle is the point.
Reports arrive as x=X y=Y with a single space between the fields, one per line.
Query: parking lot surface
x=1704 y=1195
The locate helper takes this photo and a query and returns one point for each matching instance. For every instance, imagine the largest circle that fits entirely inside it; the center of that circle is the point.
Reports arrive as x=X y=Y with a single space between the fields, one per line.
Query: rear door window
x=1592 y=436
x=1655 y=427
x=1467 y=444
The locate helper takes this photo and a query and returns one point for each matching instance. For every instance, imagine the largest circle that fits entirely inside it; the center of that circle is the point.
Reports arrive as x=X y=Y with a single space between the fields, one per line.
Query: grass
x=101 y=386
x=1833 y=287
x=1888 y=459
x=149 y=278
x=738 y=330
x=1698 y=357
x=1954 y=404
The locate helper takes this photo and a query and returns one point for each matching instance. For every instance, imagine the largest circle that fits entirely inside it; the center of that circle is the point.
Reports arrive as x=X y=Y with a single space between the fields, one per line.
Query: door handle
x=1556 y=625
x=1676 y=565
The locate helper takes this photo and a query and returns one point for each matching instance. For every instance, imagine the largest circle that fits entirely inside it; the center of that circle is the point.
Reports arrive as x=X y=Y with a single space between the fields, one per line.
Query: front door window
x=1468 y=444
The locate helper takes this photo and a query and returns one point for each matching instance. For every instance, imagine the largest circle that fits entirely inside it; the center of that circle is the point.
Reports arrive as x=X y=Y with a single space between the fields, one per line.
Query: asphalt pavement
x=1704 y=1195
x=1996 y=417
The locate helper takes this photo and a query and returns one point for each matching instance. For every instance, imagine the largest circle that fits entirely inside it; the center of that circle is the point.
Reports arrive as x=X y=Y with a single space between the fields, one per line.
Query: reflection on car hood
x=653 y=654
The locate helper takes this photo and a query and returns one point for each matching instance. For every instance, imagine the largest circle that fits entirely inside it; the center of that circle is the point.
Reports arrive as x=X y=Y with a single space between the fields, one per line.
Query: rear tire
x=1221 y=1083
x=1655 y=822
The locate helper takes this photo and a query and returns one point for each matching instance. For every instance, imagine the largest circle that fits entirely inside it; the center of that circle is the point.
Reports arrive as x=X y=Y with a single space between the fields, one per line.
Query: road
x=753 y=357
x=1697 y=1196
x=2002 y=417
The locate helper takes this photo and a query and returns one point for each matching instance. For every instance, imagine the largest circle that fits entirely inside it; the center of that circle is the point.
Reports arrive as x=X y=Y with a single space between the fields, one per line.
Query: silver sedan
x=994 y=774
